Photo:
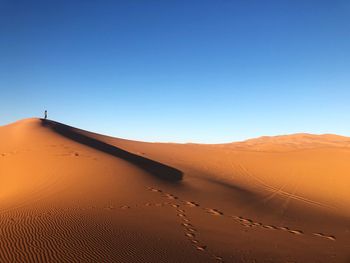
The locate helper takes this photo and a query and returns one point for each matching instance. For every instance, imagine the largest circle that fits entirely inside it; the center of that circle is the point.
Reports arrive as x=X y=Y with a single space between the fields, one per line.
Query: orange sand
x=68 y=195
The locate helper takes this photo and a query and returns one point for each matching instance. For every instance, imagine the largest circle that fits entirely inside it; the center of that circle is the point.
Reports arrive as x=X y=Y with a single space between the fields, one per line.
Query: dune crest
x=69 y=195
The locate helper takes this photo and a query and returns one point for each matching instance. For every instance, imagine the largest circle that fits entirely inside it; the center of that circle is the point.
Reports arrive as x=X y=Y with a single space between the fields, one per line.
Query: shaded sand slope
x=68 y=195
x=313 y=169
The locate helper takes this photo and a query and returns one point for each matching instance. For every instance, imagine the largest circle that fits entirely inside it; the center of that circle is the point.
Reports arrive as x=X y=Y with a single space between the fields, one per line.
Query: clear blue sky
x=199 y=71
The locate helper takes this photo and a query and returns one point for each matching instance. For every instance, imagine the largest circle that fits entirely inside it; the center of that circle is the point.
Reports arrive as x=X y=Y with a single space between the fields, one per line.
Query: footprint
x=187 y=224
x=246 y=220
x=214 y=211
x=190 y=235
x=220 y=259
x=269 y=227
x=191 y=204
x=201 y=248
x=284 y=228
x=325 y=236
x=297 y=232
x=154 y=190
x=110 y=207
x=170 y=196
x=194 y=241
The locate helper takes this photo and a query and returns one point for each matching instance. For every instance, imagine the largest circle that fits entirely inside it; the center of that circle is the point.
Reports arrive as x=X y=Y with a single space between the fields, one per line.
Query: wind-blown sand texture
x=68 y=195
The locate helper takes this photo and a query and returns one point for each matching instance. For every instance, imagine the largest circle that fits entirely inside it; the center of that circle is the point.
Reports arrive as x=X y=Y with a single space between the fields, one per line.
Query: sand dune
x=68 y=195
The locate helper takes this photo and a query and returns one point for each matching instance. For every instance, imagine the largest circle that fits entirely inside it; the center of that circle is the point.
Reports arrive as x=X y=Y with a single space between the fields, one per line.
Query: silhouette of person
x=45 y=114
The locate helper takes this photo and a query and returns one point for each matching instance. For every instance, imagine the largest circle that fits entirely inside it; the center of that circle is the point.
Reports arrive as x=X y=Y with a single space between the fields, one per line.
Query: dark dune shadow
x=155 y=168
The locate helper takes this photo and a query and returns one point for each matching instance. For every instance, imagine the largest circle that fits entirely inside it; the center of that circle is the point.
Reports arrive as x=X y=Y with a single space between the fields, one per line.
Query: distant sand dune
x=69 y=195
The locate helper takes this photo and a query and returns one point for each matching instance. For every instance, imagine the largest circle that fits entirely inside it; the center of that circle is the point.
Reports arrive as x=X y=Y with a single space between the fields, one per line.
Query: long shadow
x=155 y=168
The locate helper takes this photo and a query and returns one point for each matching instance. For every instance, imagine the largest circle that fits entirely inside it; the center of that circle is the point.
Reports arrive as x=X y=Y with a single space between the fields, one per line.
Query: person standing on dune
x=45 y=114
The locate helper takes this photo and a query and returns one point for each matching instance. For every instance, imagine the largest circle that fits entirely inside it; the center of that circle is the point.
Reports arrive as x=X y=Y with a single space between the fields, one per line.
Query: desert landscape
x=70 y=195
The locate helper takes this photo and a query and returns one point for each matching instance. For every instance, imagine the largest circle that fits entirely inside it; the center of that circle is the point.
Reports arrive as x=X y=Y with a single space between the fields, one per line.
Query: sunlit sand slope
x=68 y=195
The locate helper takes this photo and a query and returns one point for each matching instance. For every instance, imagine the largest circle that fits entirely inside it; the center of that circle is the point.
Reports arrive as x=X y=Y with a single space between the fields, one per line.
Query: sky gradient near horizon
x=180 y=71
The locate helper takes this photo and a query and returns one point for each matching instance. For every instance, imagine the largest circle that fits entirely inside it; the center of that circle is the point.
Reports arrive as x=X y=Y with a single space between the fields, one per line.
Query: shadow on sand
x=157 y=169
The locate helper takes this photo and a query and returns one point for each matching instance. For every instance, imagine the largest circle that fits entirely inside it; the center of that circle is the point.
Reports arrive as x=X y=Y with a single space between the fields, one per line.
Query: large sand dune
x=68 y=195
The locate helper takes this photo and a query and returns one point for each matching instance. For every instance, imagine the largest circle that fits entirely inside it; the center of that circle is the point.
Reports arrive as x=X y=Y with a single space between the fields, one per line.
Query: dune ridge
x=69 y=195
x=151 y=166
